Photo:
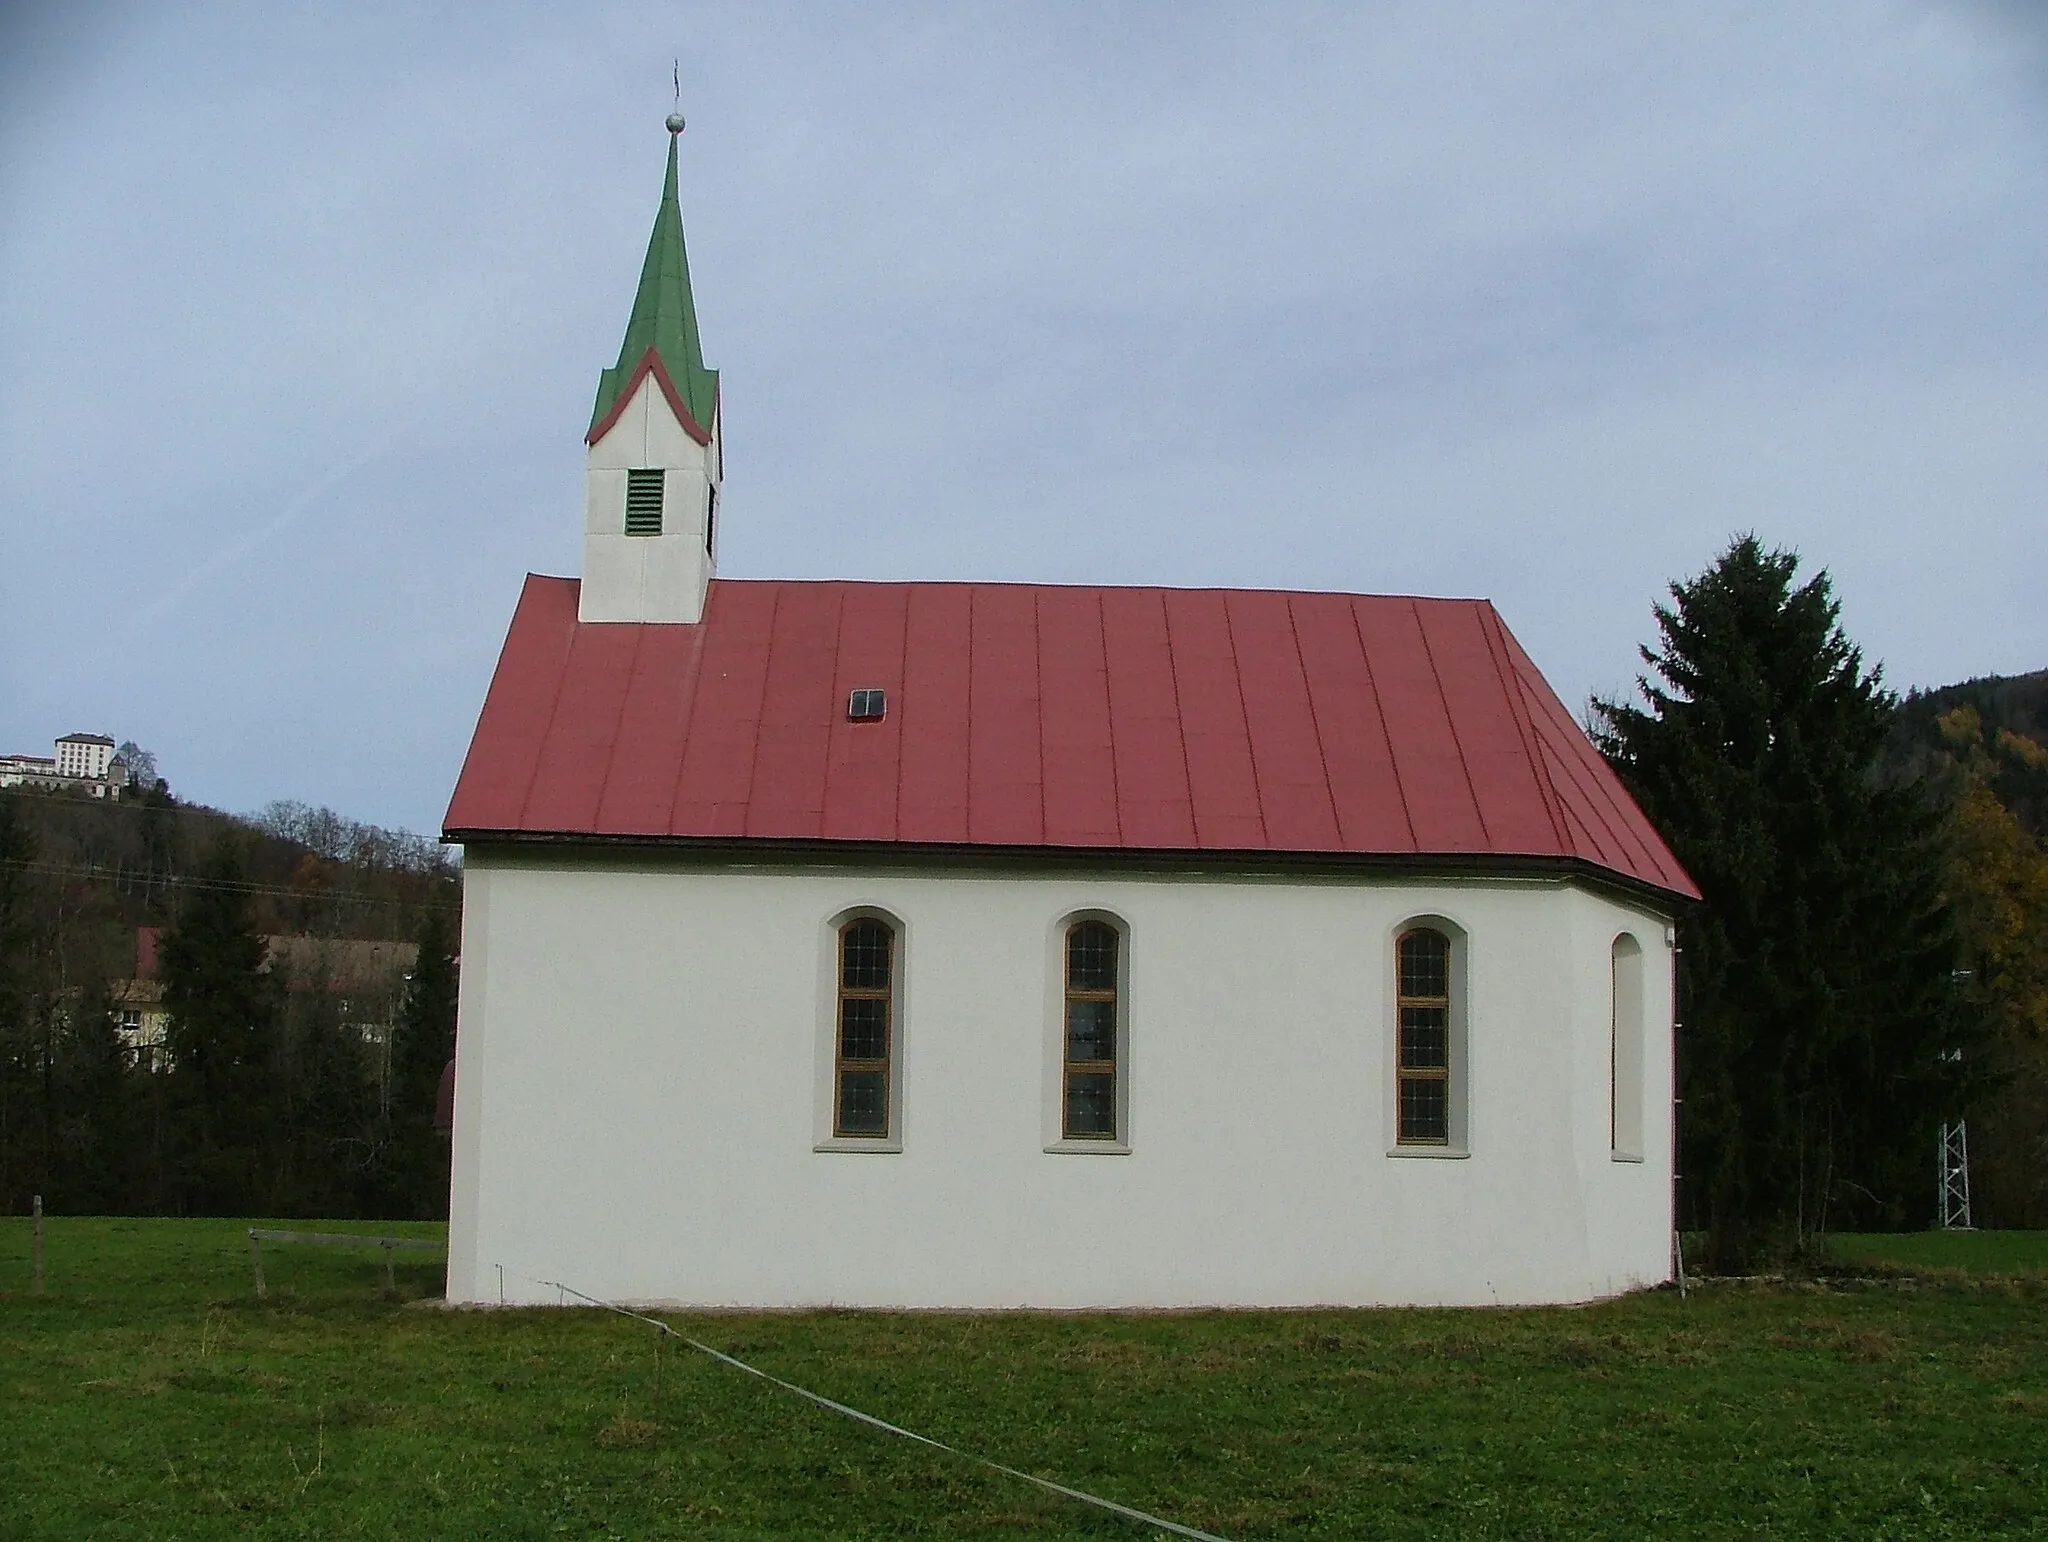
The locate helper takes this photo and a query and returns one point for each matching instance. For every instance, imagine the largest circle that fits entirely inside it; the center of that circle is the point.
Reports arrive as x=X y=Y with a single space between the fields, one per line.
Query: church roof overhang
x=935 y=856
x=1175 y=728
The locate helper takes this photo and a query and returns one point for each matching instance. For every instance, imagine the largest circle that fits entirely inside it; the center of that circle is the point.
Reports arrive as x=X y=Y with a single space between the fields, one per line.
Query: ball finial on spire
x=675 y=123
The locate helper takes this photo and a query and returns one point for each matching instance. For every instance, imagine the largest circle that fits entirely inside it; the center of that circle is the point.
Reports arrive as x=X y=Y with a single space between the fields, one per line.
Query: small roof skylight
x=866 y=705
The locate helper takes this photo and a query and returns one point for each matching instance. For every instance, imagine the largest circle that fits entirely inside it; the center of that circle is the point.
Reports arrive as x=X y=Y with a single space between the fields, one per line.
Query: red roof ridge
x=1464 y=765
x=1518 y=705
x=1081 y=588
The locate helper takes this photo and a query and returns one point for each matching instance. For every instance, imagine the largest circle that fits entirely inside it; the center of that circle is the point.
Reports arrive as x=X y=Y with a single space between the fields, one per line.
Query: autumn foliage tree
x=1998 y=884
x=1821 y=1021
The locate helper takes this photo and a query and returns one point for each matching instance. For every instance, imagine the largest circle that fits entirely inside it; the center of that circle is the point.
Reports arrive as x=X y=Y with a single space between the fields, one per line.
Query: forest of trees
x=1981 y=751
x=276 y=1093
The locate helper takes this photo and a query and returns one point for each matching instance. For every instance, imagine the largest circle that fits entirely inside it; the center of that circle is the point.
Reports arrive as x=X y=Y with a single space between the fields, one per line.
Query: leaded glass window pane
x=864 y=1028
x=1425 y=1109
x=864 y=956
x=863 y=1102
x=1425 y=964
x=1425 y=1038
x=1091 y=957
x=1091 y=1106
x=1091 y=1030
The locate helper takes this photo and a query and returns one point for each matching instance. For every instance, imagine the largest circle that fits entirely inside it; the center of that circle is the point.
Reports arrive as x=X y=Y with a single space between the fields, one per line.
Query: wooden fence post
x=39 y=1244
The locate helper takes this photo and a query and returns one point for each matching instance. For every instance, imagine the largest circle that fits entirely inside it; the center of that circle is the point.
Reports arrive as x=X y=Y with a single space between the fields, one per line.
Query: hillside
x=2010 y=729
x=108 y=868
x=313 y=956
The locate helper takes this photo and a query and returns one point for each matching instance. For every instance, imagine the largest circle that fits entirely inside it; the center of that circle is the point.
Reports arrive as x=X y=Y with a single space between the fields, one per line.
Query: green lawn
x=148 y=1394
x=1979 y=1252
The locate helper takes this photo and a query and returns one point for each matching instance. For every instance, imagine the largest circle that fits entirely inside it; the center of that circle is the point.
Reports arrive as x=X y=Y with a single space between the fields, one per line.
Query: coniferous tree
x=93 y=1108
x=1821 y=1039
x=223 y=1009
x=324 y=1098
x=422 y=1046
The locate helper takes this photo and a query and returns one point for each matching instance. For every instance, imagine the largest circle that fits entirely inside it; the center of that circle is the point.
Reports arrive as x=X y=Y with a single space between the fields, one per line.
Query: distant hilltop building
x=83 y=763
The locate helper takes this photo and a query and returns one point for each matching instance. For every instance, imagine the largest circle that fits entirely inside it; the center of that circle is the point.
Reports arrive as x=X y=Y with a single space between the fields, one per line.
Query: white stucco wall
x=642 y=1042
x=647 y=577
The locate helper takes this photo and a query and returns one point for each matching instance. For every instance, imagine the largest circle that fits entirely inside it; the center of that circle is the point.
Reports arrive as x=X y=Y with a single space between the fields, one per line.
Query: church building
x=983 y=945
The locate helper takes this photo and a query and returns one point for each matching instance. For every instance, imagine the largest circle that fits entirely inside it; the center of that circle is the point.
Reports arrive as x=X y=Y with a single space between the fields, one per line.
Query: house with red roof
x=975 y=945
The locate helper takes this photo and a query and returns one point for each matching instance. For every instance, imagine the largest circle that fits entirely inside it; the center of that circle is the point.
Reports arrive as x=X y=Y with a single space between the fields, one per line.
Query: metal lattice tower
x=1955 y=1178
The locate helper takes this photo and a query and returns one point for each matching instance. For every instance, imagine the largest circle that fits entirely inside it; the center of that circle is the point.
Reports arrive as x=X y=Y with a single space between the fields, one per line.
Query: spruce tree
x=1821 y=1042
x=93 y=1108
x=324 y=1085
x=223 y=1010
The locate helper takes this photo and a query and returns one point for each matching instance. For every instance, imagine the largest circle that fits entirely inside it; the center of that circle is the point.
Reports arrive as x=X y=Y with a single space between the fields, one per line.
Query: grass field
x=1978 y=1252
x=148 y=1394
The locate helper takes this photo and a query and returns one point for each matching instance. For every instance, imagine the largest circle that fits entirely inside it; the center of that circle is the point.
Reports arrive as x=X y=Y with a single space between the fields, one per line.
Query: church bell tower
x=650 y=514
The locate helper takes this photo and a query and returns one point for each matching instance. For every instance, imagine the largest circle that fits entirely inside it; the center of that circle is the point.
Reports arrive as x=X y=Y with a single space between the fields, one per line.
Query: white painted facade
x=650 y=577
x=84 y=755
x=645 y=1059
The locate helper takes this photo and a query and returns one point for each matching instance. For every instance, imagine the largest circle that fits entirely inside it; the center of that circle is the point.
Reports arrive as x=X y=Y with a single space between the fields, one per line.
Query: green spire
x=664 y=317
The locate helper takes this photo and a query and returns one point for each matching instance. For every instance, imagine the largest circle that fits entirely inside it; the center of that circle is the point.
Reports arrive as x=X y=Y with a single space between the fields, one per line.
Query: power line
x=93 y=871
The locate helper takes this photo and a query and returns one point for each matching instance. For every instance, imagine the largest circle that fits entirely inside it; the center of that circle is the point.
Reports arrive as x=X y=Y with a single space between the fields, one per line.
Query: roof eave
x=797 y=851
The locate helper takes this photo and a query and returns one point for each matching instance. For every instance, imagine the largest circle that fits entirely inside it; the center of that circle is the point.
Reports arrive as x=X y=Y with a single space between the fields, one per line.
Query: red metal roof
x=1037 y=716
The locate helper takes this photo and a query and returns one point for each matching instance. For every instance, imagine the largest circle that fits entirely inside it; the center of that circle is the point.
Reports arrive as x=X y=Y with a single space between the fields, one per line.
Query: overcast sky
x=302 y=310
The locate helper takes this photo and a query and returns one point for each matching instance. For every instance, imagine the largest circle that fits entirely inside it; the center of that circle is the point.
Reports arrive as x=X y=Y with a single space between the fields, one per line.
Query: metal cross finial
x=675 y=119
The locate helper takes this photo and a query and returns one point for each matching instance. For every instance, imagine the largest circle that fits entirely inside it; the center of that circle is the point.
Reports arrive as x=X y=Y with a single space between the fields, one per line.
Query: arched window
x=1625 y=1052
x=1422 y=1105
x=1088 y=1090
x=867 y=1023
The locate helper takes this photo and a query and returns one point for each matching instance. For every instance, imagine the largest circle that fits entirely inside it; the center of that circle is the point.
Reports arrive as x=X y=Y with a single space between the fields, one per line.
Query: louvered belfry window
x=643 y=502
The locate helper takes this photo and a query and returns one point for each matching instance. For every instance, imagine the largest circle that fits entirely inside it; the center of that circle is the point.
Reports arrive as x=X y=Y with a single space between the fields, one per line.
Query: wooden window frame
x=1070 y=1067
x=841 y=1063
x=1440 y=1075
